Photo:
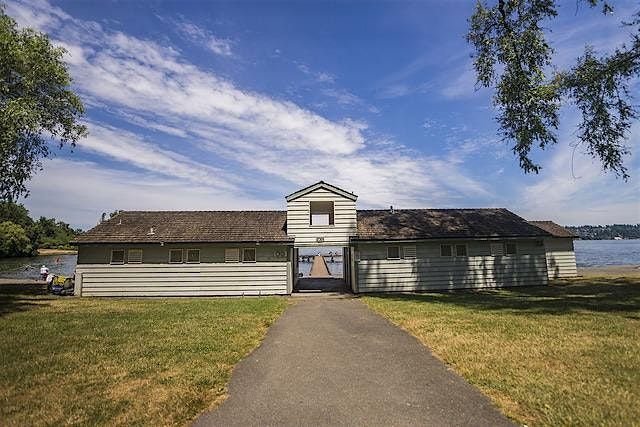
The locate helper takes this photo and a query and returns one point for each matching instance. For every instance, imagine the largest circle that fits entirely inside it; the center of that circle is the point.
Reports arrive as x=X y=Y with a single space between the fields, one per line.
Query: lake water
x=335 y=268
x=589 y=253
x=597 y=253
x=29 y=268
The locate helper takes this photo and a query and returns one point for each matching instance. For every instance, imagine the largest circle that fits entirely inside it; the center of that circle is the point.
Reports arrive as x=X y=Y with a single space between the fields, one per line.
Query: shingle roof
x=443 y=223
x=190 y=226
x=270 y=226
x=553 y=228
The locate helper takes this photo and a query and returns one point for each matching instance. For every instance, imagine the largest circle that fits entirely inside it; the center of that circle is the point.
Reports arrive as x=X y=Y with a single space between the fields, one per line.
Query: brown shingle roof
x=270 y=226
x=190 y=226
x=443 y=223
x=553 y=228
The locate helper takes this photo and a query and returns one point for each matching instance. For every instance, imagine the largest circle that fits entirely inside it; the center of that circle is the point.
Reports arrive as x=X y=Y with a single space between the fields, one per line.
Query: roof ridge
x=197 y=211
x=431 y=209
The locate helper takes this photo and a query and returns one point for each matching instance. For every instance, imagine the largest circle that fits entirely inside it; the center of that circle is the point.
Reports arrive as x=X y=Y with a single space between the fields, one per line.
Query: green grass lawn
x=121 y=361
x=567 y=354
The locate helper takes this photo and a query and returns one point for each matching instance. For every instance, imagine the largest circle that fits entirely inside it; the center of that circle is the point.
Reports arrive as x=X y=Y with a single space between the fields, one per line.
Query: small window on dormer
x=321 y=213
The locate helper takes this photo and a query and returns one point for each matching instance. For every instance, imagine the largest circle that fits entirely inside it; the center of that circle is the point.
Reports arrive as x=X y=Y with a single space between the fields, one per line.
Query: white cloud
x=346 y=98
x=264 y=141
x=396 y=90
x=219 y=46
x=201 y=36
x=463 y=85
x=41 y=17
x=128 y=147
x=318 y=76
x=575 y=190
x=79 y=192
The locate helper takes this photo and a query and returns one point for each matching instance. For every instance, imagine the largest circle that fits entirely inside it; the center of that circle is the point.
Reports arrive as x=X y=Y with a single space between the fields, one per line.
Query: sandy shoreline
x=57 y=252
x=610 y=270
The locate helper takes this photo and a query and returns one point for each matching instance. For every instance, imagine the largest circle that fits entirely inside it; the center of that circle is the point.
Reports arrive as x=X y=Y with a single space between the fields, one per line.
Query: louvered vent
x=409 y=252
x=497 y=249
x=134 y=256
x=232 y=255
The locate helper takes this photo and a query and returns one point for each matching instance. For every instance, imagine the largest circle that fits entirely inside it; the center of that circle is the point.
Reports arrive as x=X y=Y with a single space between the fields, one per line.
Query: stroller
x=59 y=285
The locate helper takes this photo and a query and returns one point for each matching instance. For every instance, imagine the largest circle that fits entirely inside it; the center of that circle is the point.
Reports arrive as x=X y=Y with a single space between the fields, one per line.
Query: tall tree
x=36 y=105
x=513 y=57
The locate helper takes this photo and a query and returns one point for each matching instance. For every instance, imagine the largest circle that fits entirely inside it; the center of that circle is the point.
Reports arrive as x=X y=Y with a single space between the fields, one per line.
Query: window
x=393 y=252
x=510 y=248
x=321 y=213
x=461 y=250
x=446 y=250
x=193 y=256
x=134 y=256
x=249 y=255
x=175 y=256
x=232 y=255
x=409 y=252
x=117 y=256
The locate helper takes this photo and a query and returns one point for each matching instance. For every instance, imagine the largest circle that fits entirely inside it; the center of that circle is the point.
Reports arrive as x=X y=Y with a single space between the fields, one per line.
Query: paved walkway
x=335 y=362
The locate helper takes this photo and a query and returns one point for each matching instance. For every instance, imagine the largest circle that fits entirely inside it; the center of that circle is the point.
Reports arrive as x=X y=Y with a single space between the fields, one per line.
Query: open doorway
x=320 y=269
x=332 y=257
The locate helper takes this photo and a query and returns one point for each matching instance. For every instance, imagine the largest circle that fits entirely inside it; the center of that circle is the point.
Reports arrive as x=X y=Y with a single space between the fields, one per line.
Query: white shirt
x=44 y=270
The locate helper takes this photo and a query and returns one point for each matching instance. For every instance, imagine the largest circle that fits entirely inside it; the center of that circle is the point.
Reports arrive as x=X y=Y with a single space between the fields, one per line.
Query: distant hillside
x=606 y=232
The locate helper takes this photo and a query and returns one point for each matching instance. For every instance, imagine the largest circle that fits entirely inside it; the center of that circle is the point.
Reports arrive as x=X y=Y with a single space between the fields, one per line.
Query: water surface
x=29 y=267
x=599 y=253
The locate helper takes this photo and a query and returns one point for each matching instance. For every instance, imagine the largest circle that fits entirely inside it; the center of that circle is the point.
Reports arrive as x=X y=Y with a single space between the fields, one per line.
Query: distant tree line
x=20 y=235
x=606 y=232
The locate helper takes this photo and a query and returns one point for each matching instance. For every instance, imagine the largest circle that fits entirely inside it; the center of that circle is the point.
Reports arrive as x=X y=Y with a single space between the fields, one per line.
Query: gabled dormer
x=321 y=215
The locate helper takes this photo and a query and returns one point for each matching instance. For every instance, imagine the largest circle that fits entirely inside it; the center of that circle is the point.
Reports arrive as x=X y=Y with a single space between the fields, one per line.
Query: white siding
x=259 y=278
x=431 y=271
x=298 y=220
x=561 y=258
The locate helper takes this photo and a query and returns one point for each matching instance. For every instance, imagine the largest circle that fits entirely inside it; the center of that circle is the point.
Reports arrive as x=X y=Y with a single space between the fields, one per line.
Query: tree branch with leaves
x=36 y=105
x=512 y=56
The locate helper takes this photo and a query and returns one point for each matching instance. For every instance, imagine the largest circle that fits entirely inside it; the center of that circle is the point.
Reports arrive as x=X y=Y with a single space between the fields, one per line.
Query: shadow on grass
x=15 y=298
x=561 y=297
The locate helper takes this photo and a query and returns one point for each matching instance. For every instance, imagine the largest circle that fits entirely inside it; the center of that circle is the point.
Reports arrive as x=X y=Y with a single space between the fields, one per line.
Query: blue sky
x=200 y=105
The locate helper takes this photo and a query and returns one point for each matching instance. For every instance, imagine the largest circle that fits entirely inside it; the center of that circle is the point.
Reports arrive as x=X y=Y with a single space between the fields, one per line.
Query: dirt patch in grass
x=565 y=354
x=121 y=361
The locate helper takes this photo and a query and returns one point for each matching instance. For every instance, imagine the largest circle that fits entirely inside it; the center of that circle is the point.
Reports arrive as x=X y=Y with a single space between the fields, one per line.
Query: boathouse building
x=190 y=253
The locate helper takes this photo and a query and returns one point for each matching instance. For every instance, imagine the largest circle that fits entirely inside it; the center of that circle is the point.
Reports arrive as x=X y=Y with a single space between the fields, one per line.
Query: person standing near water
x=44 y=272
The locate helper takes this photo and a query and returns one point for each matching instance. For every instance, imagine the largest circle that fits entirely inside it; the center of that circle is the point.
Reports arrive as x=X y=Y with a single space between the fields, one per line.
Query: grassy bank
x=567 y=354
x=120 y=361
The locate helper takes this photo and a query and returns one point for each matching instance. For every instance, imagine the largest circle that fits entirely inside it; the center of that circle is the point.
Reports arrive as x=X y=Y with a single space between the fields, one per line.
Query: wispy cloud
x=201 y=36
x=318 y=76
x=460 y=83
x=233 y=141
x=574 y=186
x=346 y=98
x=130 y=148
x=79 y=191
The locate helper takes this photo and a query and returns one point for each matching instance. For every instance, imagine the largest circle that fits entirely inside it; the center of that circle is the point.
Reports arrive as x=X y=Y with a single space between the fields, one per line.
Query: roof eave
x=157 y=241
x=326 y=186
x=443 y=238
